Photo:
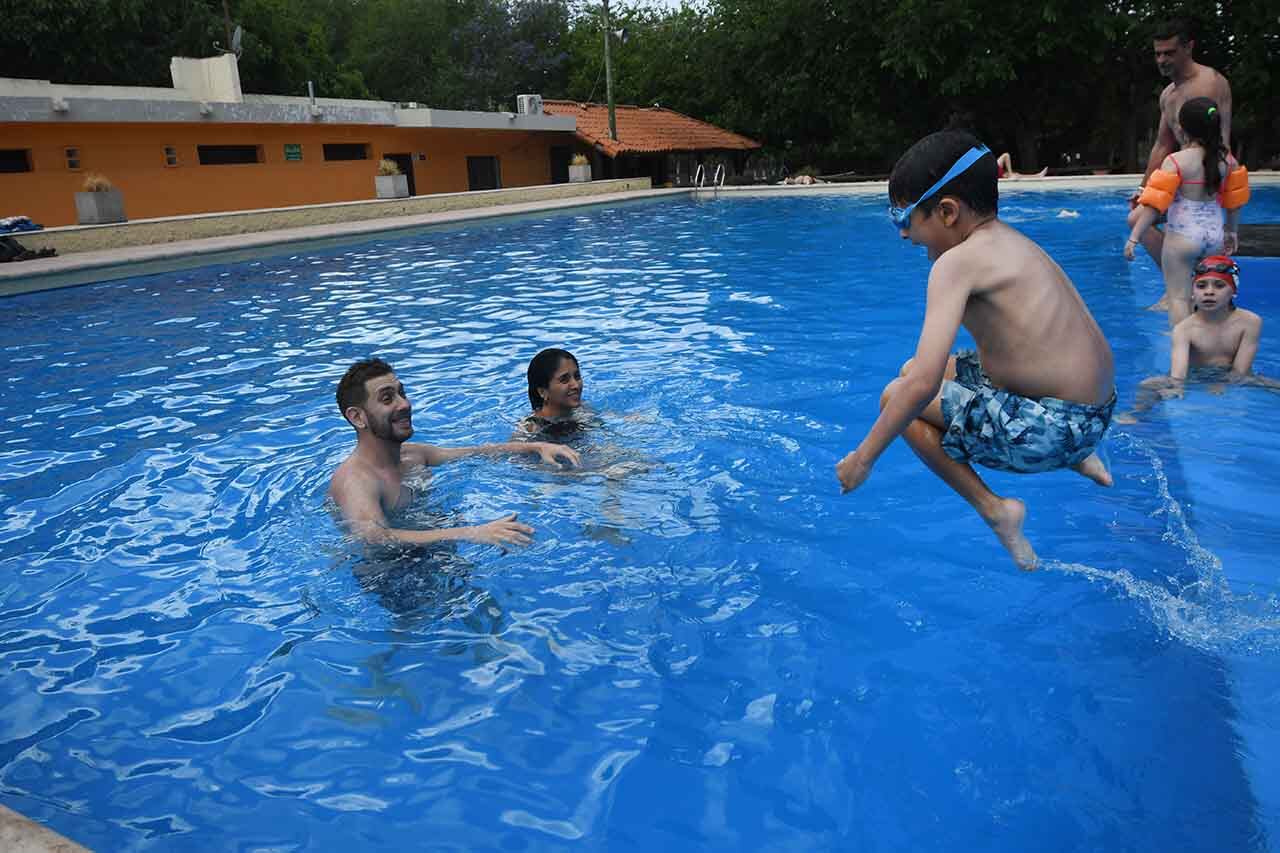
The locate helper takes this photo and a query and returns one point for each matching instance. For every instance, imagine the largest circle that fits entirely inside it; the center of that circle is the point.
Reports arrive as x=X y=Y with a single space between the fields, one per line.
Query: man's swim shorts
x=996 y=428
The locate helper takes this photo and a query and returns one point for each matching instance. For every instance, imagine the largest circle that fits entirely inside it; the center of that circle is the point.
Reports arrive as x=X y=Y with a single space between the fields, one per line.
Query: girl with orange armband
x=1193 y=186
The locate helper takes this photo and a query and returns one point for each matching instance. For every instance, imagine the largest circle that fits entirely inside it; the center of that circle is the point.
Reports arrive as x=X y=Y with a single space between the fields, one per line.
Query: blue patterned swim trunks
x=996 y=428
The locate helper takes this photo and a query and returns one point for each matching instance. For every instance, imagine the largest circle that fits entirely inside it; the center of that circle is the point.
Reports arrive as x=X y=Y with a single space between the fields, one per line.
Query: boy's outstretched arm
x=1180 y=351
x=908 y=395
x=1242 y=364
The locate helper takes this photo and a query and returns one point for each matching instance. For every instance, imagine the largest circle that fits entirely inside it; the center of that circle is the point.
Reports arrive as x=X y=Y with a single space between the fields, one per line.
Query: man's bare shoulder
x=352 y=475
x=1218 y=79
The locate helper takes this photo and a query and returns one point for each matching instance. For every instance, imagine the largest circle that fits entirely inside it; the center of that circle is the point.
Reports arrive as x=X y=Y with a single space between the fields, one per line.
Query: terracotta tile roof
x=646 y=130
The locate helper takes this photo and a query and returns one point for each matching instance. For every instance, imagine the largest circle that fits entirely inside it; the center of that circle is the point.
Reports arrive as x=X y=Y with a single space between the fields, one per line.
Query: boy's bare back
x=1034 y=334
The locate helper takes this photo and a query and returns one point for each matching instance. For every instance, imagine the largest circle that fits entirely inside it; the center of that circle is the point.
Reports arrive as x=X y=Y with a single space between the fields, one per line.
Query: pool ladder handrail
x=717 y=180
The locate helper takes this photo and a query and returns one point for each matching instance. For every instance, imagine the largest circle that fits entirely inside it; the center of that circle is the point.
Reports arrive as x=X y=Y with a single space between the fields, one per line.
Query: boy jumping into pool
x=1039 y=392
x=369 y=486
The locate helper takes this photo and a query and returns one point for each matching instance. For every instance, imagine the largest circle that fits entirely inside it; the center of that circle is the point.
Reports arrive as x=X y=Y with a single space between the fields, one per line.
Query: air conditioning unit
x=529 y=105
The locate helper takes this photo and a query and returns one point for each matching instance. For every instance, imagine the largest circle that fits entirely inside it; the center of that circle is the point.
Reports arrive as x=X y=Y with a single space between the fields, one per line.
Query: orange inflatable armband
x=1235 y=191
x=1158 y=192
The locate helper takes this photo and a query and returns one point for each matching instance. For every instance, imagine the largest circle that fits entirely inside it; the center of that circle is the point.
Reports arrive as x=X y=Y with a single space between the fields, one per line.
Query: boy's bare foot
x=1162 y=305
x=1093 y=467
x=1007 y=523
x=1125 y=418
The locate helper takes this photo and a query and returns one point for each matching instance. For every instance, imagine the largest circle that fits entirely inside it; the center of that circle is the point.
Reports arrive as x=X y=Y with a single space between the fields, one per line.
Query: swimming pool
x=707 y=647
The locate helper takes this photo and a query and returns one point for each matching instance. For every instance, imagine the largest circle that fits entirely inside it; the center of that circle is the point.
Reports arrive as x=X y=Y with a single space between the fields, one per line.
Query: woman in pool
x=555 y=393
x=1192 y=186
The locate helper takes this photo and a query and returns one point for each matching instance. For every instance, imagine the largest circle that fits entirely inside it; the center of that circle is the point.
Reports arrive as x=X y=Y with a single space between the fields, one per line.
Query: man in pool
x=1039 y=392
x=369 y=485
x=1190 y=79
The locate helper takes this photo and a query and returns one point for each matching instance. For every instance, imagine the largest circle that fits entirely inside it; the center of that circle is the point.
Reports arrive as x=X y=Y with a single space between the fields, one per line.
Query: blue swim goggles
x=901 y=216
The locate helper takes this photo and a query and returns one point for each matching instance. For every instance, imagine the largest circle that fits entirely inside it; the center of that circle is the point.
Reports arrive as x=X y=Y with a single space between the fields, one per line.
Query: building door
x=405 y=162
x=560 y=158
x=482 y=173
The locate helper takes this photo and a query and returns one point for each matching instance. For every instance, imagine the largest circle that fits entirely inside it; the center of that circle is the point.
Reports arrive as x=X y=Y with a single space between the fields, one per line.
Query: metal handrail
x=699 y=176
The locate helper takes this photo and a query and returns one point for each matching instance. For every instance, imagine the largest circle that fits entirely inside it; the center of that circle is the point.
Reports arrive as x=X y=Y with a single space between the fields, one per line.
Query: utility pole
x=608 y=76
x=226 y=19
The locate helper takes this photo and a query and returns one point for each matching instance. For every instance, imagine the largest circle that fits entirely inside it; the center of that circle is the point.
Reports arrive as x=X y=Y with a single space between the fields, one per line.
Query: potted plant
x=390 y=181
x=579 y=169
x=99 y=202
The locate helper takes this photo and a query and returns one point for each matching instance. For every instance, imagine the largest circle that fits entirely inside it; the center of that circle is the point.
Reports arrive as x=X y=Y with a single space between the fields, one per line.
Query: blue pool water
x=707 y=647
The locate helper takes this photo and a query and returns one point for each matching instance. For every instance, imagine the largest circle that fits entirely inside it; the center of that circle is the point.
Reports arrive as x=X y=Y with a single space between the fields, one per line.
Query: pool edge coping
x=94 y=266
x=20 y=834
x=89 y=267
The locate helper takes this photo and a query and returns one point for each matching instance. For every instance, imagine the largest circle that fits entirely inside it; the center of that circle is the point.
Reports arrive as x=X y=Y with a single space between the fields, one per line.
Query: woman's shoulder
x=533 y=424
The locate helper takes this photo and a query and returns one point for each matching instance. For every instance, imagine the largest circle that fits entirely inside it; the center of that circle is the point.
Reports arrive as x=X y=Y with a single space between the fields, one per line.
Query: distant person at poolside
x=1039 y=392
x=1189 y=79
x=1004 y=169
x=1192 y=188
x=1217 y=343
x=369 y=486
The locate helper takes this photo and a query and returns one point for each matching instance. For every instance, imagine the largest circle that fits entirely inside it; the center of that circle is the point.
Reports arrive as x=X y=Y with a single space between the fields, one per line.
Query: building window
x=483 y=173
x=346 y=151
x=170 y=155
x=227 y=155
x=73 y=159
x=15 y=159
x=292 y=152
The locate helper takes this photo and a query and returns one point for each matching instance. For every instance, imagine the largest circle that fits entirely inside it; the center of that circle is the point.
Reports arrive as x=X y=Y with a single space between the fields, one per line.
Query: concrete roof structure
x=208 y=91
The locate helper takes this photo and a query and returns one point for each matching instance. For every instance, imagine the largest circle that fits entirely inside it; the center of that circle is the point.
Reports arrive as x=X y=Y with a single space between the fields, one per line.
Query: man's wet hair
x=351 y=388
x=541 y=369
x=930 y=158
x=1169 y=28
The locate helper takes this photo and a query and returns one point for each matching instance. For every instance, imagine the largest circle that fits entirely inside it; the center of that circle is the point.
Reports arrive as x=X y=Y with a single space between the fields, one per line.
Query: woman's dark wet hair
x=1202 y=121
x=541 y=369
x=930 y=158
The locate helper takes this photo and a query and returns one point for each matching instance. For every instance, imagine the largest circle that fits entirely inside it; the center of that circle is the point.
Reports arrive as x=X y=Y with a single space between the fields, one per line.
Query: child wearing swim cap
x=1218 y=340
x=1218 y=333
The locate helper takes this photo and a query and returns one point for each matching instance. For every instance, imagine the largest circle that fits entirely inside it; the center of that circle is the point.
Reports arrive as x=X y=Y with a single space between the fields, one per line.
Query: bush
x=388 y=167
x=579 y=160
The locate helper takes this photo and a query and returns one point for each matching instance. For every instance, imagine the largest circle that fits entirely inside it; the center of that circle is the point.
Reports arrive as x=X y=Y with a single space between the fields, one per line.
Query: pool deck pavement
x=19 y=835
x=103 y=264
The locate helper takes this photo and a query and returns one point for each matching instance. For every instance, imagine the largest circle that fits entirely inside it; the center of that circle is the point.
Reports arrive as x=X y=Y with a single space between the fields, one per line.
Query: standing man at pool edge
x=1039 y=392
x=369 y=484
x=1190 y=79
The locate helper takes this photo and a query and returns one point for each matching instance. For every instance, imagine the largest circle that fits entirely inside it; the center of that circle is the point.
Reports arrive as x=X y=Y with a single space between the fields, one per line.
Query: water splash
x=1203 y=613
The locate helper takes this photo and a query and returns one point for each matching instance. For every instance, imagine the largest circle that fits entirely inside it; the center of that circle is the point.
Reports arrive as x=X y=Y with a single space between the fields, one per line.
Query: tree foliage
x=835 y=84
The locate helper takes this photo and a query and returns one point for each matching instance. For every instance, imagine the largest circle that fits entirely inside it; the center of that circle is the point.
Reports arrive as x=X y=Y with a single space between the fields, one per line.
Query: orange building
x=204 y=147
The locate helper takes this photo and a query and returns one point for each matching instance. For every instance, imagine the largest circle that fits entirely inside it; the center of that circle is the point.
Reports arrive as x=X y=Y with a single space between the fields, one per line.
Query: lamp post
x=608 y=76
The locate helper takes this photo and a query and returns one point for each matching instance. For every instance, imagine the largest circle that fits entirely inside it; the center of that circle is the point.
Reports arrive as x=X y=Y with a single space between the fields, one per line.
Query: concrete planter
x=100 y=208
x=392 y=186
x=578 y=174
